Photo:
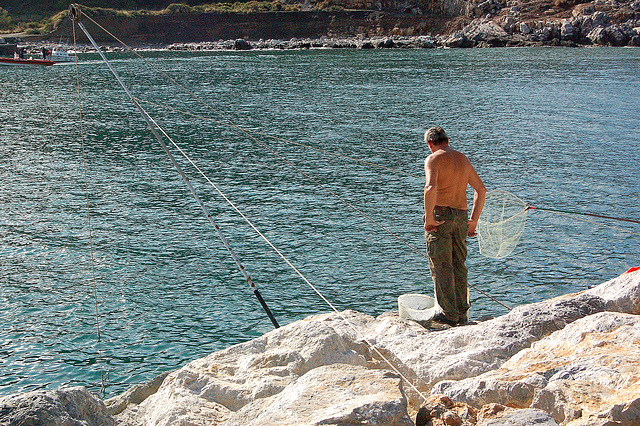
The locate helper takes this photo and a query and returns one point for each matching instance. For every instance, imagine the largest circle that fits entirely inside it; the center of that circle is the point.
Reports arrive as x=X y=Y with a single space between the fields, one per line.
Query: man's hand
x=430 y=224
x=472 y=228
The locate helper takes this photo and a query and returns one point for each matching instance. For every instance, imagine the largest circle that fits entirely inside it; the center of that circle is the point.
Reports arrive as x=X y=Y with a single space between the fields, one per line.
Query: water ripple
x=557 y=127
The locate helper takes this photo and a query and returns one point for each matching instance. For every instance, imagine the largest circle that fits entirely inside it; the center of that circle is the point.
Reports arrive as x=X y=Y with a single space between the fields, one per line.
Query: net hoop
x=501 y=224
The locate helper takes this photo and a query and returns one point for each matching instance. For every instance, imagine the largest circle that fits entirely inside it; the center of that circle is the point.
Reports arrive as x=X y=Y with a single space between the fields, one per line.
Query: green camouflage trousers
x=447 y=250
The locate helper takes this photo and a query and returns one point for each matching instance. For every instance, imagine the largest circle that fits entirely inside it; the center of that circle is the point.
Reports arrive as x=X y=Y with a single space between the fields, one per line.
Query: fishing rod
x=253 y=138
x=622 y=219
x=76 y=13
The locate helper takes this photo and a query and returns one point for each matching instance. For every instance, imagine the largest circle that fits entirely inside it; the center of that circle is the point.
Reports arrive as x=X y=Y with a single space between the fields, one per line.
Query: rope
x=360 y=334
x=266 y=135
x=570 y=215
x=621 y=219
x=247 y=133
x=86 y=190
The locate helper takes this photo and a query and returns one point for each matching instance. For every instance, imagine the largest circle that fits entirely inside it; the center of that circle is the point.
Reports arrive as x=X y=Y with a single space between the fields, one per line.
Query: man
x=446 y=226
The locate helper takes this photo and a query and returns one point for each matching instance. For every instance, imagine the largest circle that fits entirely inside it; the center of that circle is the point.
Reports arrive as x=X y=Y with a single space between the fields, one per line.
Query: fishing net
x=501 y=224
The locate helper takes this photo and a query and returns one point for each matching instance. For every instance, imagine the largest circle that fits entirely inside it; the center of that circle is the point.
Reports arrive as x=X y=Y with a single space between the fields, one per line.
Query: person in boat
x=446 y=224
x=44 y=53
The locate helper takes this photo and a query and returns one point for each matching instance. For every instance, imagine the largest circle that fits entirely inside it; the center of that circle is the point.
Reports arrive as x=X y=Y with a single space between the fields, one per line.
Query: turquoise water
x=559 y=128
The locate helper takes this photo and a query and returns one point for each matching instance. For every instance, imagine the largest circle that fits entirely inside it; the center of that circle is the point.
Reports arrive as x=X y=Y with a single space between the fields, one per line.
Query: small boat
x=19 y=61
x=58 y=55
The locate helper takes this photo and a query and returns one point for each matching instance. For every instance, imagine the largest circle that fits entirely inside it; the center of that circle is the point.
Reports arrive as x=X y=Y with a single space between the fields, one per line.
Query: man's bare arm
x=430 y=193
x=479 y=196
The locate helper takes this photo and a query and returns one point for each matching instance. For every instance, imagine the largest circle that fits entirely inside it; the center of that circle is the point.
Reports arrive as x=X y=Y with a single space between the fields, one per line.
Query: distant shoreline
x=322 y=43
x=585 y=24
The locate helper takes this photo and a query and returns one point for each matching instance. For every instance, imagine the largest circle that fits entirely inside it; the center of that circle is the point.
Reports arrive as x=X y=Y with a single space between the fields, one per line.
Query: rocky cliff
x=193 y=27
x=450 y=23
x=573 y=360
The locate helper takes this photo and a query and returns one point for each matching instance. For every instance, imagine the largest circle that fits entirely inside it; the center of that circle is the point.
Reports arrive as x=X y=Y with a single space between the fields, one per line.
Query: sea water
x=110 y=273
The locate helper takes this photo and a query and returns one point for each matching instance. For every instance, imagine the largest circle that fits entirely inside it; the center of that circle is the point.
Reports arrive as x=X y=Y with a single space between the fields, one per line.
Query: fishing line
x=415 y=250
x=86 y=190
x=570 y=214
x=247 y=132
x=567 y=212
x=157 y=127
x=153 y=126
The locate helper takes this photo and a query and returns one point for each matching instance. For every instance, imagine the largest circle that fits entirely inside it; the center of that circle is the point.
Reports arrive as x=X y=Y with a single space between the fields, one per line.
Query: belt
x=449 y=209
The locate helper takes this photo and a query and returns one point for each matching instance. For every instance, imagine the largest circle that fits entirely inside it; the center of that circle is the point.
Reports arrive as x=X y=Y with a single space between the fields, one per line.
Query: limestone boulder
x=499 y=415
x=440 y=409
x=480 y=30
x=285 y=366
x=586 y=373
x=426 y=358
x=621 y=294
x=457 y=39
x=176 y=405
x=225 y=381
x=336 y=394
x=74 y=406
x=134 y=395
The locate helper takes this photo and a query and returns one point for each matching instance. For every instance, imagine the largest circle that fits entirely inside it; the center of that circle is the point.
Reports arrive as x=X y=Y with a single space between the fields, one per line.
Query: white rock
x=484 y=30
x=513 y=417
x=178 y=405
x=271 y=369
x=134 y=395
x=226 y=381
x=578 y=373
x=621 y=294
x=426 y=358
x=73 y=406
x=337 y=394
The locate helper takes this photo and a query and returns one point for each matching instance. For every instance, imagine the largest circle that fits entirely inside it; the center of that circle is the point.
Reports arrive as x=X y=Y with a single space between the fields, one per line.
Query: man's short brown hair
x=436 y=136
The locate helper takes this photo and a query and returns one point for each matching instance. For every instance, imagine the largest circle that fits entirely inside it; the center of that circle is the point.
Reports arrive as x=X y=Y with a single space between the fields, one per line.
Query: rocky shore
x=597 y=23
x=445 y=23
x=572 y=360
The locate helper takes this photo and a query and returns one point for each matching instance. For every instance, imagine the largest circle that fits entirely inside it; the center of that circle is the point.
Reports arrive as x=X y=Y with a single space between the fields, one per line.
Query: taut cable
x=86 y=190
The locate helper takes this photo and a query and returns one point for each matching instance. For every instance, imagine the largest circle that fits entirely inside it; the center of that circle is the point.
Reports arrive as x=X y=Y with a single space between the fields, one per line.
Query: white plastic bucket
x=416 y=307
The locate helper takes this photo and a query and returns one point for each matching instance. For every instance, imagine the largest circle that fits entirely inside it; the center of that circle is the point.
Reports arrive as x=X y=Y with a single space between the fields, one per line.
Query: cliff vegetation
x=452 y=23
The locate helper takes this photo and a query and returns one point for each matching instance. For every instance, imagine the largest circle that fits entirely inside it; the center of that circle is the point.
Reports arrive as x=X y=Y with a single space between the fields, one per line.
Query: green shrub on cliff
x=5 y=19
x=252 y=6
x=52 y=23
x=178 y=8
